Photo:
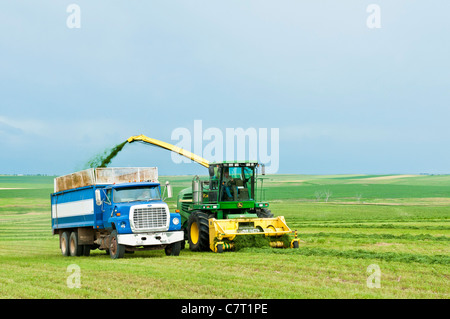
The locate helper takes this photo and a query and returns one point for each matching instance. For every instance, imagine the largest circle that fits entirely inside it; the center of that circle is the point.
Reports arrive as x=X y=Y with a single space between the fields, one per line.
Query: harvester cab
x=231 y=185
x=228 y=204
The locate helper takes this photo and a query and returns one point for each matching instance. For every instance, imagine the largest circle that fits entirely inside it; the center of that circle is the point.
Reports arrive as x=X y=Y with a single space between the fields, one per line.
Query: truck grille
x=150 y=217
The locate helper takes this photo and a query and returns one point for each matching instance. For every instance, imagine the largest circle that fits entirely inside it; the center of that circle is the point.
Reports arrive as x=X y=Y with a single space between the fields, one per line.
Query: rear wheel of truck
x=173 y=249
x=116 y=250
x=86 y=250
x=64 y=244
x=198 y=231
x=75 y=249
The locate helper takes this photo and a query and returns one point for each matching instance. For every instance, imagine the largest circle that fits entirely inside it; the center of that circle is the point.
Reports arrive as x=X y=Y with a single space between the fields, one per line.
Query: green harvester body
x=228 y=204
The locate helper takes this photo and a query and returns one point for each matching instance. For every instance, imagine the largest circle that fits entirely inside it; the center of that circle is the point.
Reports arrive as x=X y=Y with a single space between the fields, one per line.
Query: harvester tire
x=198 y=231
x=264 y=213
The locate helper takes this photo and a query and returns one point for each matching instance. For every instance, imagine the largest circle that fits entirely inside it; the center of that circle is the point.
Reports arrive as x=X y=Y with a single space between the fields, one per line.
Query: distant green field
x=401 y=223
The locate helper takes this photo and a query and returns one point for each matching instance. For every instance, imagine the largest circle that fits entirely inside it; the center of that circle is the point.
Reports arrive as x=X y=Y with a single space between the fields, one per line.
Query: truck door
x=107 y=207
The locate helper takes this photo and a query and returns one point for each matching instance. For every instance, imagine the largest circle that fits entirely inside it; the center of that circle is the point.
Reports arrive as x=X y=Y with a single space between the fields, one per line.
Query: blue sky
x=345 y=98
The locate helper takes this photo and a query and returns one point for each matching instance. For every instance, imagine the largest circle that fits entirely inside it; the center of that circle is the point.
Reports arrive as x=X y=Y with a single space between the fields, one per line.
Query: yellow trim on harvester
x=220 y=229
x=195 y=233
x=170 y=147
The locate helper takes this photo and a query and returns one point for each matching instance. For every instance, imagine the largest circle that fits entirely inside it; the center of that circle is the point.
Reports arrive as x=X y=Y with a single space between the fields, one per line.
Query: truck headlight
x=175 y=221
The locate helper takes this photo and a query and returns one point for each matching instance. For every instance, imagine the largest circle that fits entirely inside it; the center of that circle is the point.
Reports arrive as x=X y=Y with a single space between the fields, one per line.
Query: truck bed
x=74 y=208
x=107 y=175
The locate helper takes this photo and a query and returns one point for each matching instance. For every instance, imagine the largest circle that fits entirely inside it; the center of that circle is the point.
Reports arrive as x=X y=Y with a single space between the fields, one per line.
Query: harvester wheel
x=198 y=231
x=264 y=213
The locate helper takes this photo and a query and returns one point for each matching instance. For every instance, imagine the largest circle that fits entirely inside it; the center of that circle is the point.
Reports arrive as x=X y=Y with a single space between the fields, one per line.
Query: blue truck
x=114 y=209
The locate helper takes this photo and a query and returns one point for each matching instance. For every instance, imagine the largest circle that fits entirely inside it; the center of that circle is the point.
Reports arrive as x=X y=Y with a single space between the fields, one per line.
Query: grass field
x=398 y=222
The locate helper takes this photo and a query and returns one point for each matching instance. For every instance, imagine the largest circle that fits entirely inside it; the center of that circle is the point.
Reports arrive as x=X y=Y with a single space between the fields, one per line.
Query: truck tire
x=74 y=248
x=173 y=249
x=64 y=244
x=86 y=250
x=198 y=231
x=116 y=250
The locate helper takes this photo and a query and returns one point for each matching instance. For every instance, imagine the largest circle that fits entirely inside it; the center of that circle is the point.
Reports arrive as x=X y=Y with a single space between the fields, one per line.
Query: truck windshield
x=121 y=195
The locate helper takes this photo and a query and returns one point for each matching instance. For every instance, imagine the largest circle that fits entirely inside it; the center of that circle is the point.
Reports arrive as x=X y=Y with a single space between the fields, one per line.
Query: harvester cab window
x=237 y=183
x=245 y=188
x=228 y=185
x=214 y=181
x=236 y=175
x=249 y=180
x=248 y=173
x=235 y=172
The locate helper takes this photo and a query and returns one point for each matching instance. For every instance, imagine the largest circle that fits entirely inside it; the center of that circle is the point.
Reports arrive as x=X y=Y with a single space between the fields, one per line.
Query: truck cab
x=122 y=207
x=137 y=213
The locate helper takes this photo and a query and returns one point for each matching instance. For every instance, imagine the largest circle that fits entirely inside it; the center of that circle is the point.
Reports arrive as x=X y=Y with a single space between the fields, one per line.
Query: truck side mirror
x=211 y=170
x=98 y=197
x=263 y=169
x=169 y=189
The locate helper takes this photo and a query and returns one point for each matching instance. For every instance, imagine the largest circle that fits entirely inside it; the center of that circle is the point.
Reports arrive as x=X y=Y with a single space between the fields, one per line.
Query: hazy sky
x=346 y=98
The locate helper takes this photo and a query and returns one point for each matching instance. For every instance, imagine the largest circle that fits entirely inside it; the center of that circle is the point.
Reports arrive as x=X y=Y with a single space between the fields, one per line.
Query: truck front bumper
x=150 y=239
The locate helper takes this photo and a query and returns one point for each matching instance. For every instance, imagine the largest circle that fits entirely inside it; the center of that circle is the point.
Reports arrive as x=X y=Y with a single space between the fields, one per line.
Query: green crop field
x=399 y=224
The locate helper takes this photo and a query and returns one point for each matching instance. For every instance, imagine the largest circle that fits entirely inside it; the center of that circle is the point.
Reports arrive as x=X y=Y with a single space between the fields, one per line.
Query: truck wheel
x=198 y=231
x=173 y=249
x=116 y=250
x=75 y=249
x=86 y=250
x=64 y=243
